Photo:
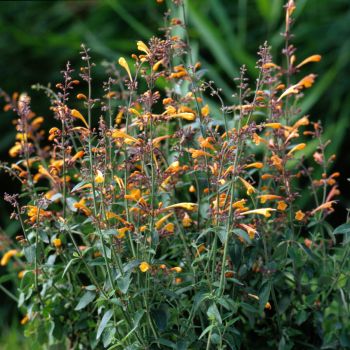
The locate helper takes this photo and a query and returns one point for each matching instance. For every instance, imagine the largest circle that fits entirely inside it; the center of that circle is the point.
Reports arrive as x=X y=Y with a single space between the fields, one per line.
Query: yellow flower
x=186 y=221
x=192 y=189
x=57 y=243
x=257 y=165
x=7 y=256
x=273 y=125
x=141 y=46
x=268 y=197
x=176 y=269
x=186 y=206
x=262 y=211
x=118 y=134
x=134 y=195
x=276 y=161
x=196 y=153
x=24 y=320
x=299 y=215
x=170 y=227
x=298 y=147
x=184 y=115
x=144 y=266
x=99 y=178
x=21 y=274
x=15 y=150
x=313 y=58
x=121 y=232
x=268 y=306
x=250 y=230
x=205 y=111
x=282 y=205
x=156 y=65
x=248 y=186
x=122 y=62
x=76 y=114
x=82 y=207
x=34 y=213
x=161 y=221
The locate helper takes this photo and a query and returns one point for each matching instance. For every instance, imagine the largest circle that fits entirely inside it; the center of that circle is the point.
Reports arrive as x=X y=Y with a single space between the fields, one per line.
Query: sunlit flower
x=34 y=213
x=144 y=266
x=250 y=230
x=262 y=211
x=268 y=306
x=57 y=243
x=196 y=153
x=76 y=114
x=205 y=111
x=99 y=178
x=122 y=62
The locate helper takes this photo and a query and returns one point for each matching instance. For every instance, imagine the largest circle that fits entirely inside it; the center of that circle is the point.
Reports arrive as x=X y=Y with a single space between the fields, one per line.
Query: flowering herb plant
x=170 y=223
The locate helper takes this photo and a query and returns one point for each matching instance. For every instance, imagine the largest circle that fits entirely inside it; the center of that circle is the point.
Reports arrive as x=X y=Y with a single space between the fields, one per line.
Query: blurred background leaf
x=38 y=37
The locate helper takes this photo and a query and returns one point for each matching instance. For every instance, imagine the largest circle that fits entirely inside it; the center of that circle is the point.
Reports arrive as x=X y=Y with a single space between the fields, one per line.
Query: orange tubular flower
x=82 y=207
x=248 y=186
x=196 y=153
x=268 y=197
x=7 y=256
x=313 y=58
x=34 y=213
x=327 y=205
x=76 y=114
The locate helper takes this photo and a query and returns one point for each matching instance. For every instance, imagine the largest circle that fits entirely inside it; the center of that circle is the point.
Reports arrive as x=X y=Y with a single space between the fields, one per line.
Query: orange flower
x=24 y=320
x=268 y=197
x=298 y=147
x=205 y=111
x=306 y=82
x=250 y=230
x=308 y=242
x=327 y=205
x=82 y=207
x=299 y=215
x=161 y=221
x=268 y=306
x=76 y=114
x=248 y=186
x=186 y=221
x=57 y=243
x=196 y=153
x=7 y=256
x=313 y=58
x=276 y=161
x=257 y=165
x=187 y=206
x=282 y=205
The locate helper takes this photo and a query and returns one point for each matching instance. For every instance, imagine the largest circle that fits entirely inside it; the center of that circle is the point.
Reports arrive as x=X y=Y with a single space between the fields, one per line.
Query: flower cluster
x=174 y=215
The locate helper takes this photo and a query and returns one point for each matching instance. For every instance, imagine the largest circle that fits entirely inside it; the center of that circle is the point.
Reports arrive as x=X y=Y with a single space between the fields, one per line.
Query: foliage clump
x=174 y=222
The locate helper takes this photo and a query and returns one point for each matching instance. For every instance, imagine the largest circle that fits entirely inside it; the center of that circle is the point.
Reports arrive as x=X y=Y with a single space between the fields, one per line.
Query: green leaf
x=160 y=317
x=85 y=300
x=264 y=295
x=342 y=229
x=244 y=235
x=124 y=283
x=214 y=314
x=70 y=263
x=106 y=317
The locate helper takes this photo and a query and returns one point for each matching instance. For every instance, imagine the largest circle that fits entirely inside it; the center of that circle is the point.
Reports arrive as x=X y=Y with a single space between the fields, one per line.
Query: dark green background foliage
x=39 y=37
